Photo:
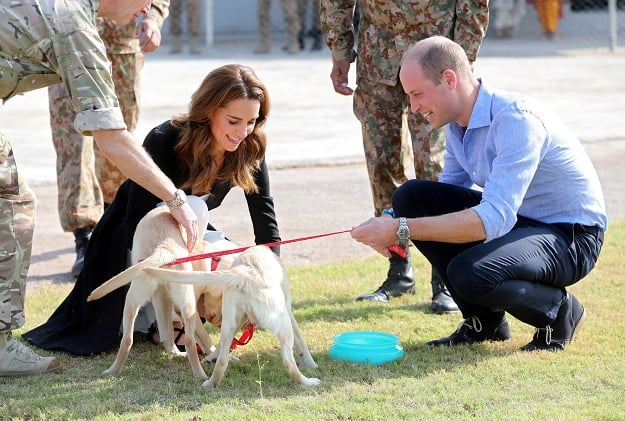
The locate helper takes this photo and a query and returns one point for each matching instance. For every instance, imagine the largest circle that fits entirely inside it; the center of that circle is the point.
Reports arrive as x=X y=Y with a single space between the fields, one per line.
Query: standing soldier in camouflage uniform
x=193 y=9
x=293 y=26
x=386 y=30
x=315 y=24
x=44 y=42
x=81 y=190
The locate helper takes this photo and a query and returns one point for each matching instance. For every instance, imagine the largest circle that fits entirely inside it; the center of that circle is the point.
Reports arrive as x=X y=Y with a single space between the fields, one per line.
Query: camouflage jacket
x=44 y=42
x=122 y=39
x=388 y=28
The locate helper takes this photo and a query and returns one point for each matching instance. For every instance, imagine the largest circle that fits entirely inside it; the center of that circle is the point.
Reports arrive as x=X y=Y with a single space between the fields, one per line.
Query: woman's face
x=232 y=123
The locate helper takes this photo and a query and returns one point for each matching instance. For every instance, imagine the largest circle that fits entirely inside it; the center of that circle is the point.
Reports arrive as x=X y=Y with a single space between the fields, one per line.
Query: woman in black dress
x=217 y=145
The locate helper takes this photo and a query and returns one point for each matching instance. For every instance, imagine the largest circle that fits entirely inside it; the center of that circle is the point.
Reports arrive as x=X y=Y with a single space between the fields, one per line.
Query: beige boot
x=176 y=47
x=264 y=47
x=195 y=45
x=16 y=359
x=293 y=46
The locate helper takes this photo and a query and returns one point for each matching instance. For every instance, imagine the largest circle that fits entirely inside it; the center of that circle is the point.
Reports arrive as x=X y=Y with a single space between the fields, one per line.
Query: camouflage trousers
x=17 y=222
x=193 y=8
x=315 y=24
x=85 y=177
x=291 y=18
x=387 y=122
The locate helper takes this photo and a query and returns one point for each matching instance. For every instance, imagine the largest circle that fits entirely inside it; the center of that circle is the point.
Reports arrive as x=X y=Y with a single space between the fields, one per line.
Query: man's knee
x=470 y=278
x=412 y=198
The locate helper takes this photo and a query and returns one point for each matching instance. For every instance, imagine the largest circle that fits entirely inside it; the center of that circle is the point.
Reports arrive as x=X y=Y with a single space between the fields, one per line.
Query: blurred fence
x=588 y=23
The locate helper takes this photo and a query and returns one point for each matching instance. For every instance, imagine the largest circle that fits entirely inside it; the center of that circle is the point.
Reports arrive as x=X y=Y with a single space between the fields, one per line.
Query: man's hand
x=121 y=148
x=340 y=69
x=149 y=34
x=185 y=216
x=377 y=233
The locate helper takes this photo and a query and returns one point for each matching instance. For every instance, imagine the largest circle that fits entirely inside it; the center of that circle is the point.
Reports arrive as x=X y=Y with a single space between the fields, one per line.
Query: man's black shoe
x=557 y=335
x=474 y=330
x=399 y=280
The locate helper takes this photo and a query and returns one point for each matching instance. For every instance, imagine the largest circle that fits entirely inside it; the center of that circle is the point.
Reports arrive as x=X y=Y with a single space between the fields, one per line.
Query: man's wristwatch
x=403 y=233
x=179 y=200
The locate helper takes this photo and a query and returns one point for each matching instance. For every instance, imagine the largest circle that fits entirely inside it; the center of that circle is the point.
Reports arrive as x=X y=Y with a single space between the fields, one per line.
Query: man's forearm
x=120 y=147
x=456 y=228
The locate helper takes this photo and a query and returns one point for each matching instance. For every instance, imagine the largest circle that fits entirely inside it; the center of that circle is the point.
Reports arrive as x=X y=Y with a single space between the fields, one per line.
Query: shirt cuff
x=102 y=119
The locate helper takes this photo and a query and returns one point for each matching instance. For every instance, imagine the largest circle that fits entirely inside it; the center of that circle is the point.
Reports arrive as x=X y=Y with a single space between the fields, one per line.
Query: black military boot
x=441 y=298
x=81 y=238
x=399 y=280
x=300 y=39
x=316 y=36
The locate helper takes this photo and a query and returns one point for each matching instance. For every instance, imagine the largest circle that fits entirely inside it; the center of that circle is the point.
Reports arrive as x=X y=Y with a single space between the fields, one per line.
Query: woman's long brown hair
x=220 y=86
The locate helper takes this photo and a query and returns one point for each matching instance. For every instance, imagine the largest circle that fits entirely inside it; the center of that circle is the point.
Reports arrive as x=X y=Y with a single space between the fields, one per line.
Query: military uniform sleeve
x=336 y=18
x=86 y=73
x=159 y=11
x=471 y=24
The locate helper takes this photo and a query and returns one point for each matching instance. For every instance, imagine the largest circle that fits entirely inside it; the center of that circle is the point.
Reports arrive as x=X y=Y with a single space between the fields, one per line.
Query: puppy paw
x=311 y=381
x=110 y=372
x=210 y=383
x=212 y=357
x=177 y=353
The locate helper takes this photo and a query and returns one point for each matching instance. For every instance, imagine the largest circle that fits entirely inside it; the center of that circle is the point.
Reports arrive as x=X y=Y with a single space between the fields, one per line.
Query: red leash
x=242 y=249
x=393 y=248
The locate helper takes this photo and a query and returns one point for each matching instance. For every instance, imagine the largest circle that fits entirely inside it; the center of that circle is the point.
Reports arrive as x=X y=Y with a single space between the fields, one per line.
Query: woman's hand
x=185 y=216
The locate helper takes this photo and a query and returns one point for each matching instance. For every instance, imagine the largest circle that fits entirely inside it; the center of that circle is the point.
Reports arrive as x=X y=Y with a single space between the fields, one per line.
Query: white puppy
x=256 y=290
x=158 y=240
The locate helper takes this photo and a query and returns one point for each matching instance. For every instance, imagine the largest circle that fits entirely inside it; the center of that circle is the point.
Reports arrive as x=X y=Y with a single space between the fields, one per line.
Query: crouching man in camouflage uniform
x=42 y=43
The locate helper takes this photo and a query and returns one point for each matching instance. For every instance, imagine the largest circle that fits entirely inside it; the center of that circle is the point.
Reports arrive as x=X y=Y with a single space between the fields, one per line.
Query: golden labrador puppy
x=256 y=289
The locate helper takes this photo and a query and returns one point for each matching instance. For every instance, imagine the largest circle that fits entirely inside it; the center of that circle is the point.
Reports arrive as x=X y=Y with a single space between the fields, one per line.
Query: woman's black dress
x=82 y=327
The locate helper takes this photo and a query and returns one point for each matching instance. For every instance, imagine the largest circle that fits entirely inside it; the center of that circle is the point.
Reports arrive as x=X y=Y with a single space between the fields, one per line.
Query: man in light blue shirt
x=518 y=214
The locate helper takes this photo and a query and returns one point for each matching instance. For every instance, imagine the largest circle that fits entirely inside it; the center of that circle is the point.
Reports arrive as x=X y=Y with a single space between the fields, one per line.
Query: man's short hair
x=437 y=54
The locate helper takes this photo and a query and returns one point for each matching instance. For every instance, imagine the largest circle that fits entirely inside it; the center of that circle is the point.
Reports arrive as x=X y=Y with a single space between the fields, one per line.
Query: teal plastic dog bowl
x=366 y=347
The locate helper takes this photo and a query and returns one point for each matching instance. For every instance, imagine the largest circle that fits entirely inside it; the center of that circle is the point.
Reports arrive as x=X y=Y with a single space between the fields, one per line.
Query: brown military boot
x=263 y=47
x=293 y=46
x=176 y=47
x=195 y=45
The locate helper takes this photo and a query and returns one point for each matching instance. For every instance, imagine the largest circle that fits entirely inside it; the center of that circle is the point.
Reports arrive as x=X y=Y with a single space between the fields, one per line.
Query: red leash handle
x=246 y=336
x=398 y=250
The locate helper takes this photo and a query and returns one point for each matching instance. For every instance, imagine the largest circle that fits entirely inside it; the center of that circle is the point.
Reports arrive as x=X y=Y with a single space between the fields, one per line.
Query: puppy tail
x=134 y=272
x=228 y=277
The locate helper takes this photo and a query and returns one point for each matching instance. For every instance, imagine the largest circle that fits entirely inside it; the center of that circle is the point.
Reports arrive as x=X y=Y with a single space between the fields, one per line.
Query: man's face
x=124 y=11
x=426 y=98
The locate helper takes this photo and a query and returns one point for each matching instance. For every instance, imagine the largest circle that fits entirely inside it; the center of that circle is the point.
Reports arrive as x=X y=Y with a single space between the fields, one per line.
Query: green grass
x=487 y=381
